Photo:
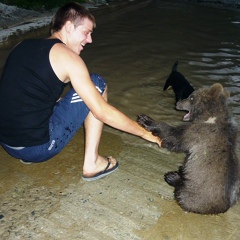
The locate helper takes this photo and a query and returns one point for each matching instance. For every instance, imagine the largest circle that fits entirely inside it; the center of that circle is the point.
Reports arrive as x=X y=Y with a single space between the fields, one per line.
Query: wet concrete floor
x=50 y=200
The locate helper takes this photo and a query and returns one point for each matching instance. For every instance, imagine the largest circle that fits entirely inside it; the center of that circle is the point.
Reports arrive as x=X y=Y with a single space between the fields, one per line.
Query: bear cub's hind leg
x=173 y=178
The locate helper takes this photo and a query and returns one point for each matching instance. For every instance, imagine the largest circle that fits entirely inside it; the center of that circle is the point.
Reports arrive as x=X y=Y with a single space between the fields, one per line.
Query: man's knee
x=99 y=82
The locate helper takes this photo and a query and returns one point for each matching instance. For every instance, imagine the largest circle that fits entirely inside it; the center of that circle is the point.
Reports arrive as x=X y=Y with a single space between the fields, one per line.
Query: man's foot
x=107 y=170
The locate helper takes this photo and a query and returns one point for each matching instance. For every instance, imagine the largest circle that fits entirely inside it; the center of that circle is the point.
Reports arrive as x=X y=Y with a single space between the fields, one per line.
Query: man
x=34 y=124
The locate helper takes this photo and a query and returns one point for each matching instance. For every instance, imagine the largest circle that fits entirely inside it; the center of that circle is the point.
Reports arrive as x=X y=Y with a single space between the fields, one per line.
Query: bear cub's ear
x=216 y=89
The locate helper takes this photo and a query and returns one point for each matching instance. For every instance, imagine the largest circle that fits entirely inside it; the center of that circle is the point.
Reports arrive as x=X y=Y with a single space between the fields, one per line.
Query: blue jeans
x=68 y=116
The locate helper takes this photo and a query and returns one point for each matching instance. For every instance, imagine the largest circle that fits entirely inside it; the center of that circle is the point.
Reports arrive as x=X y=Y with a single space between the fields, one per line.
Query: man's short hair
x=73 y=12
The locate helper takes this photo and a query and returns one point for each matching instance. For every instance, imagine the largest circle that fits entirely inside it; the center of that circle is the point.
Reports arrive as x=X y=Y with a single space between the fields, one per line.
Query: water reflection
x=135 y=53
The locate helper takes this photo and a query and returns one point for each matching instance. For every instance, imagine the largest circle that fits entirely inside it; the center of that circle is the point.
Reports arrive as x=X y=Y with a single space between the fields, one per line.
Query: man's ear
x=69 y=26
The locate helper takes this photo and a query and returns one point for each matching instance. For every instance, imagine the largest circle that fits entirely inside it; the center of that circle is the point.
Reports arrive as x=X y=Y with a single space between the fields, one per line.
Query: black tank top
x=29 y=90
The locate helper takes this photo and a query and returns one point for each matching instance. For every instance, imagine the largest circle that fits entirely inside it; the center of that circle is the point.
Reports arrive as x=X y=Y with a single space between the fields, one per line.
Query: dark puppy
x=179 y=84
x=209 y=180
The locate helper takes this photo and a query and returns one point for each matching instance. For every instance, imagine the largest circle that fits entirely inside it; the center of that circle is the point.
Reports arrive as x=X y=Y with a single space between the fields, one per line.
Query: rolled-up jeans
x=68 y=116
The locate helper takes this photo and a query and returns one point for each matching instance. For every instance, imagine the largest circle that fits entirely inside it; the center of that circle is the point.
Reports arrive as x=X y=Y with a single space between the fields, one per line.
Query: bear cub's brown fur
x=208 y=181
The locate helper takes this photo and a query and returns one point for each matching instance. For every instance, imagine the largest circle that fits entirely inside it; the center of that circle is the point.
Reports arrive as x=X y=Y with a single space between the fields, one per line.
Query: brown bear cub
x=208 y=181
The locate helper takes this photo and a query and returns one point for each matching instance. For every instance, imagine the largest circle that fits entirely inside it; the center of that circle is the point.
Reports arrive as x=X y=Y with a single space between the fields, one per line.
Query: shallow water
x=135 y=54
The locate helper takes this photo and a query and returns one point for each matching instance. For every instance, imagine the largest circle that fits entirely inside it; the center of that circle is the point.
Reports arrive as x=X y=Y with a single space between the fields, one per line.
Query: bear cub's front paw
x=145 y=121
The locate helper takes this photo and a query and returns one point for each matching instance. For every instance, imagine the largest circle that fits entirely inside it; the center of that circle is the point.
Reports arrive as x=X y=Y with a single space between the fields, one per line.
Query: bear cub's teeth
x=186 y=117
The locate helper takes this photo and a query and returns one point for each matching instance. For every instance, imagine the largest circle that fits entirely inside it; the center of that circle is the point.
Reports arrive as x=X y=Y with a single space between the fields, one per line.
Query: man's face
x=80 y=36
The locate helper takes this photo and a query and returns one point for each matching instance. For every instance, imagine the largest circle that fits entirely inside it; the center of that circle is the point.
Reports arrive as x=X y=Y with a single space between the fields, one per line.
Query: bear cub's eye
x=191 y=98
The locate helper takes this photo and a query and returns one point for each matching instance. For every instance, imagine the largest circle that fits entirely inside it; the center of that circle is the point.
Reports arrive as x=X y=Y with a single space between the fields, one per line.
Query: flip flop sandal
x=103 y=173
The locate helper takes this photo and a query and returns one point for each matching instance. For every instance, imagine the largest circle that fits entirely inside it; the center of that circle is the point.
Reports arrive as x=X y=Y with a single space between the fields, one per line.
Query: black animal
x=209 y=181
x=179 y=84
